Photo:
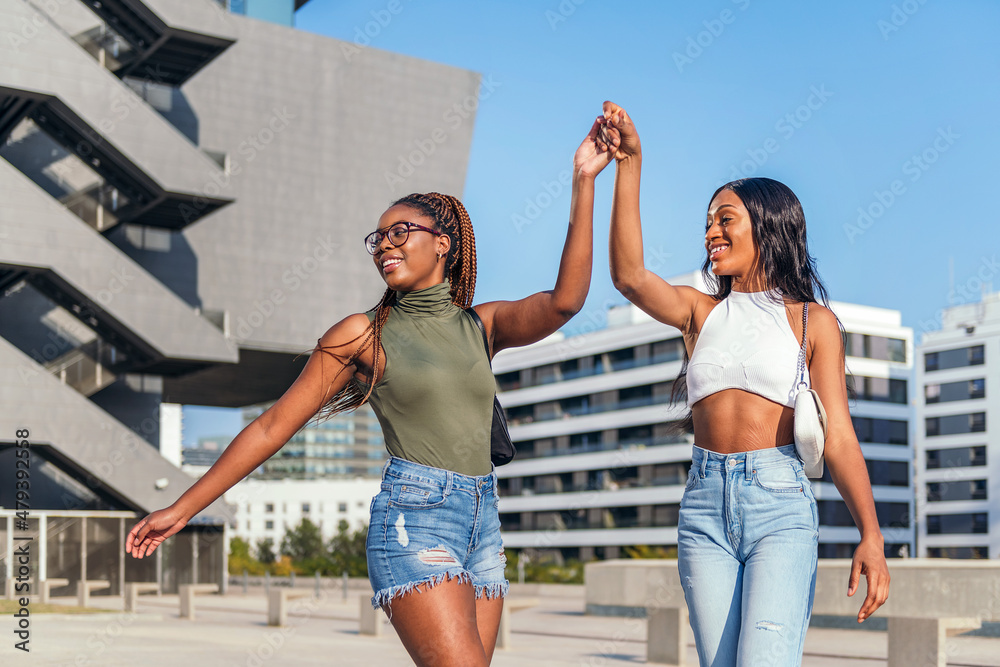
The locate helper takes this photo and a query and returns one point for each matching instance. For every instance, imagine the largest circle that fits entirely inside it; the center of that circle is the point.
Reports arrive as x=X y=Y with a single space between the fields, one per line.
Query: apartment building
x=600 y=469
x=957 y=456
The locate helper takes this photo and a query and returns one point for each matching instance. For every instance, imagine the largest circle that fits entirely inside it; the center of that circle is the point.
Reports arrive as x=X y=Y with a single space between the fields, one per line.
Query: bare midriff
x=733 y=420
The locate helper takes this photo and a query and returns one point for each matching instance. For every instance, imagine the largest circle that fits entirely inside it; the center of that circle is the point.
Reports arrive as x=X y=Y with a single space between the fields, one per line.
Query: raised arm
x=321 y=378
x=515 y=323
x=661 y=300
x=843 y=456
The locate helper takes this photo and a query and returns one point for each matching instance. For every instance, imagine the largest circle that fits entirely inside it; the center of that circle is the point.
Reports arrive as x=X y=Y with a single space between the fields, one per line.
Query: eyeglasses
x=397 y=235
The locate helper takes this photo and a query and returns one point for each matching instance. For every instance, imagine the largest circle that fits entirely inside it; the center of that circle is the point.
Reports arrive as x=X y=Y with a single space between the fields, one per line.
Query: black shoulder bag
x=501 y=448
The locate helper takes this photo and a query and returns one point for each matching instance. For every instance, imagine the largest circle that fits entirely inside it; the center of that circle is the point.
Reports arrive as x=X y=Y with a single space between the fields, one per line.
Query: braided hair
x=451 y=218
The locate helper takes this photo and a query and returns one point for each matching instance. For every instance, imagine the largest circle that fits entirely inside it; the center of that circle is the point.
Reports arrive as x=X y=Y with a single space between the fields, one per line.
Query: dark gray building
x=184 y=192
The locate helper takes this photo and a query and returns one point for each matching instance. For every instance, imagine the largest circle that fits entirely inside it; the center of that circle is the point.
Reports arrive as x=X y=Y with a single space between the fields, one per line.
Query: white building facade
x=957 y=455
x=600 y=469
x=265 y=509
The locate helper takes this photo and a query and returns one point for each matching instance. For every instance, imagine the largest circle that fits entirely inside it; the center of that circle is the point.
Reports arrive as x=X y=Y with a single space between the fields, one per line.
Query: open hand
x=619 y=120
x=869 y=560
x=150 y=532
x=597 y=149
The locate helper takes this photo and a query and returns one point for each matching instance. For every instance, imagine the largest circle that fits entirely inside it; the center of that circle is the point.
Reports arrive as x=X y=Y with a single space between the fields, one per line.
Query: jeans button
x=731 y=463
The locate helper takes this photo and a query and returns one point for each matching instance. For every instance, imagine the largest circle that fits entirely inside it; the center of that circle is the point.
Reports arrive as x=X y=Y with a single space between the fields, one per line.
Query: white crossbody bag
x=810 y=417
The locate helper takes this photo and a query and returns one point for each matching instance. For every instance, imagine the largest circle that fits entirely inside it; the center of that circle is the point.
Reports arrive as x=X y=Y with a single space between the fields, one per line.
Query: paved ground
x=230 y=631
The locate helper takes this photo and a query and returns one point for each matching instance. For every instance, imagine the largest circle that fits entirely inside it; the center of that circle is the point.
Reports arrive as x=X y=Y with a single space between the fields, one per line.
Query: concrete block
x=666 y=635
x=47 y=586
x=85 y=588
x=188 y=593
x=370 y=620
x=134 y=589
x=277 y=604
x=922 y=642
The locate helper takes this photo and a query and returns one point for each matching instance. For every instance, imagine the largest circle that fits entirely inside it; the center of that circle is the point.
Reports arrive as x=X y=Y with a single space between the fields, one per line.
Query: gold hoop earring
x=440 y=256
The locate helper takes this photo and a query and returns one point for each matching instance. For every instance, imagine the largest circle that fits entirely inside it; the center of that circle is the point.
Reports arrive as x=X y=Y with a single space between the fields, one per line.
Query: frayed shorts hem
x=489 y=591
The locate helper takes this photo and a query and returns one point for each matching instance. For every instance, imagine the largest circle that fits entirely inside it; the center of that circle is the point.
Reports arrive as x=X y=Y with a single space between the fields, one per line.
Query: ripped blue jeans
x=747 y=541
x=428 y=525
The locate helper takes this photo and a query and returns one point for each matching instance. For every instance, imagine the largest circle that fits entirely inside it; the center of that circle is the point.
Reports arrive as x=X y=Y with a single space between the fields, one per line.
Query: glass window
x=956 y=424
x=342 y=507
x=963 y=356
x=958 y=552
x=882 y=431
x=958 y=457
x=509 y=381
x=269 y=525
x=269 y=507
x=305 y=508
x=889 y=473
x=966 y=489
x=957 y=524
x=955 y=391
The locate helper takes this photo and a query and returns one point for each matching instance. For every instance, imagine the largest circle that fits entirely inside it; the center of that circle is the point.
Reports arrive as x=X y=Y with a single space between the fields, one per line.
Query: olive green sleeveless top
x=435 y=398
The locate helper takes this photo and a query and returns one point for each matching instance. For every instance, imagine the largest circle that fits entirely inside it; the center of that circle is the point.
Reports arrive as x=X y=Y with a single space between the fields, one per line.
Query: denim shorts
x=429 y=525
x=747 y=540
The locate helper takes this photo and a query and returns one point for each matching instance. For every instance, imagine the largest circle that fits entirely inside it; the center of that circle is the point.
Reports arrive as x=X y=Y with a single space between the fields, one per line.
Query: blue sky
x=889 y=107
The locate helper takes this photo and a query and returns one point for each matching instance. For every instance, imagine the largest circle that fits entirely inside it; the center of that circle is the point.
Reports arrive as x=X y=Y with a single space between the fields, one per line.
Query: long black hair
x=783 y=262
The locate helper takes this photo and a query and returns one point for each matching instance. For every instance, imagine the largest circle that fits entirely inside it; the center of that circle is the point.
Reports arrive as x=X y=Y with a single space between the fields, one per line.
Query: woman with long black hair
x=748 y=526
x=435 y=556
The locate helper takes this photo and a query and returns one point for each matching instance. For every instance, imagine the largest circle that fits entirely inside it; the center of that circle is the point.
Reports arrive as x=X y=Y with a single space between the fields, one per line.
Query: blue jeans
x=429 y=525
x=747 y=547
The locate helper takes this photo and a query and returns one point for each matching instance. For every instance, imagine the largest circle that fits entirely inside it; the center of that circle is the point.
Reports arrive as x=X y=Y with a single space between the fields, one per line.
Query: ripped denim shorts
x=429 y=525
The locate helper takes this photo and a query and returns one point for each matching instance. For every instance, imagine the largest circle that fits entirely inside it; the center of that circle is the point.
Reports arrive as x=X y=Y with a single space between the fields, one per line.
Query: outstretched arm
x=658 y=298
x=515 y=323
x=321 y=378
x=842 y=454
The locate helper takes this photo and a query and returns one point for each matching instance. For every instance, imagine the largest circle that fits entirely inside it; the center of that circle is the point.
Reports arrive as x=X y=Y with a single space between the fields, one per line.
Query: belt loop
x=748 y=464
x=704 y=462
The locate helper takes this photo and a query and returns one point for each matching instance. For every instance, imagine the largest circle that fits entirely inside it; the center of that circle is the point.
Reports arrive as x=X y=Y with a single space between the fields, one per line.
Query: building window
x=958 y=552
x=269 y=525
x=958 y=457
x=342 y=507
x=963 y=356
x=890 y=515
x=269 y=508
x=957 y=524
x=875 y=347
x=509 y=381
x=880 y=390
x=667 y=350
x=955 y=391
x=305 y=508
x=881 y=431
x=956 y=424
x=966 y=489
x=888 y=473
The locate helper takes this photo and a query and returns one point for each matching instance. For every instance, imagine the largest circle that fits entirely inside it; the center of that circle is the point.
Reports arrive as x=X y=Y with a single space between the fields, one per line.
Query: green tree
x=265 y=551
x=347 y=551
x=304 y=542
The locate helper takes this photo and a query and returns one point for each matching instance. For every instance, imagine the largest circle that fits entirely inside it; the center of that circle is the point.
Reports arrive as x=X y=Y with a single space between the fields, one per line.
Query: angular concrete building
x=185 y=192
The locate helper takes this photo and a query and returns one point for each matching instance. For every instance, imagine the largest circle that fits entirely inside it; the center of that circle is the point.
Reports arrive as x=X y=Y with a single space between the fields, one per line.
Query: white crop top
x=746 y=343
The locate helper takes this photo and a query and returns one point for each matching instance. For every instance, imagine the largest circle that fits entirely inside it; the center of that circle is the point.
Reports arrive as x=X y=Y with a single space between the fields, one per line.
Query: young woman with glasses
x=435 y=557
x=748 y=525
